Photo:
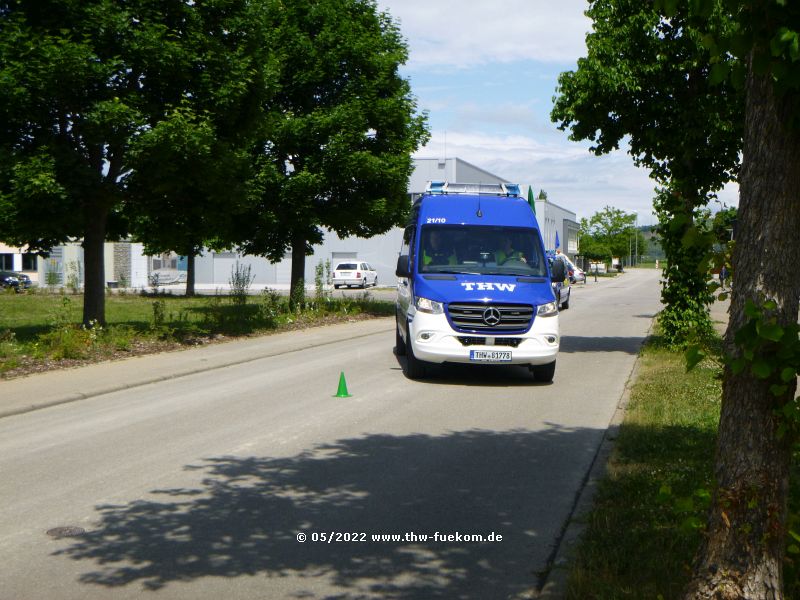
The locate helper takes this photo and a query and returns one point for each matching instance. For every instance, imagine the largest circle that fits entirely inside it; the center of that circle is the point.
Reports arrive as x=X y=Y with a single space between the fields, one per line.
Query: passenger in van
x=435 y=252
x=507 y=252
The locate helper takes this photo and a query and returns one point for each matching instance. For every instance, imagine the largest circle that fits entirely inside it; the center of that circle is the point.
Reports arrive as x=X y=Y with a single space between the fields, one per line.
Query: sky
x=486 y=74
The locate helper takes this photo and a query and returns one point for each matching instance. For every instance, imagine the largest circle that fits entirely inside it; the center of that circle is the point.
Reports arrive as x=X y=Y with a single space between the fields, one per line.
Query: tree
x=80 y=84
x=608 y=233
x=184 y=187
x=338 y=154
x=190 y=170
x=743 y=549
x=723 y=224
x=652 y=79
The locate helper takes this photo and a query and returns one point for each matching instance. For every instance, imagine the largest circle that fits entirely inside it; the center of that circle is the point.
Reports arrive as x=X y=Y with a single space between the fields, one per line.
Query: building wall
x=553 y=218
x=453 y=170
x=18 y=259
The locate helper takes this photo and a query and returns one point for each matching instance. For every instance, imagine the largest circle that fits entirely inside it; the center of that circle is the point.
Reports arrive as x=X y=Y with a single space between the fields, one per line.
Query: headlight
x=430 y=306
x=547 y=310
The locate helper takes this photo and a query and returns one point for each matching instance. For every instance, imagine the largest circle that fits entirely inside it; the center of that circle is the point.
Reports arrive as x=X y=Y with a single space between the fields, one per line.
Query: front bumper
x=433 y=340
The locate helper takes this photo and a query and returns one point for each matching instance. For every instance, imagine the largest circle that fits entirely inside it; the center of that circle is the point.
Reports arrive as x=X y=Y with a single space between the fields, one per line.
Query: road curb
x=554 y=585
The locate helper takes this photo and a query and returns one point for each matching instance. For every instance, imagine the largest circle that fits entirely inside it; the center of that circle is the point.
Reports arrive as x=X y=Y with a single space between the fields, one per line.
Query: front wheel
x=399 y=342
x=544 y=373
x=415 y=368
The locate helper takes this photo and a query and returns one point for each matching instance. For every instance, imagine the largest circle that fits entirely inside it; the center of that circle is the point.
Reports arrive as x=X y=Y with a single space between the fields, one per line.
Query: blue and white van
x=474 y=282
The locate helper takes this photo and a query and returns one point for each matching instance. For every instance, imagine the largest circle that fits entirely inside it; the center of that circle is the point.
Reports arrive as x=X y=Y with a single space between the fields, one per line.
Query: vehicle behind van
x=474 y=282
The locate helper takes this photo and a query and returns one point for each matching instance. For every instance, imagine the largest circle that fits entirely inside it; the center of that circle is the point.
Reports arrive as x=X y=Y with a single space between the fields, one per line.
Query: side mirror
x=557 y=271
x=403 y=269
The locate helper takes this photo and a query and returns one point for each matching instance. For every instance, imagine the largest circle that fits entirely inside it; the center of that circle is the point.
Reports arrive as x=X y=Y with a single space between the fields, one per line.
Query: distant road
x=199 y=487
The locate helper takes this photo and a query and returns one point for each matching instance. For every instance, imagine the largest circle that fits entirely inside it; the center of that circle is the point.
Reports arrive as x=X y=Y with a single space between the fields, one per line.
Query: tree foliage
x=87 y=86
x=343 y=128
x=189 y=171
x=649 y=80
x=609 y=233
x=192 y=124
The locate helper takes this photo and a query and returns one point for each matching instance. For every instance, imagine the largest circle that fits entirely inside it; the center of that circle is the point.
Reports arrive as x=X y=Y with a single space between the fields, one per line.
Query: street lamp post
x=636 y=233
x=630 y=254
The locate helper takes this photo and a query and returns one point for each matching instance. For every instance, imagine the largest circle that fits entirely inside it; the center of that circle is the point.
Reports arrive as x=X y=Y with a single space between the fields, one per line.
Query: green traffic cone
x=342 y=392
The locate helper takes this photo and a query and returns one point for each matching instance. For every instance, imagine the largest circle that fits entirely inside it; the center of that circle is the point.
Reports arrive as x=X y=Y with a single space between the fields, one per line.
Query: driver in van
x=507 y=252
x=435 y=252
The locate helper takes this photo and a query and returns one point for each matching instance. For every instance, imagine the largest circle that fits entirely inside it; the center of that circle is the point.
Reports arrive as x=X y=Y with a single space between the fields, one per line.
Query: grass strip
x=646 y=522
x=42 y=330
x=649 y=512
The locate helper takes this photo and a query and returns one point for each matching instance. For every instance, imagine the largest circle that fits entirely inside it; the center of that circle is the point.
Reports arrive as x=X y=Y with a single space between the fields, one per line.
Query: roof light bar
x=493 y=189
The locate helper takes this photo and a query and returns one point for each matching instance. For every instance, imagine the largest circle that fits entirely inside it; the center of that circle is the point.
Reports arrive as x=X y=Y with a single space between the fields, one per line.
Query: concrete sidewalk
x=32 y=392
x=719 y=314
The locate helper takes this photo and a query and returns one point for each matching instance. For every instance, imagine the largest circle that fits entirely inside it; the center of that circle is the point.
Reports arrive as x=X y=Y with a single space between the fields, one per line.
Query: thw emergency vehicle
x=474 y=283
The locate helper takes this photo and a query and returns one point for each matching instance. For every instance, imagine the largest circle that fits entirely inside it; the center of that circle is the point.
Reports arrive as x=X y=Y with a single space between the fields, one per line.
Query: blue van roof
x=464 y=209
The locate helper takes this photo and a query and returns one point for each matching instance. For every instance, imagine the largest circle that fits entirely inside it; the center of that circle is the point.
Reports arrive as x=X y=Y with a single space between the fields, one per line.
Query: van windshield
x=481 y=249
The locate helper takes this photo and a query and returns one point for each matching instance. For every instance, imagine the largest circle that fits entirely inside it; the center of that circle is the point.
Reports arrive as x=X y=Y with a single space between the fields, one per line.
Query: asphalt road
x=198 y=486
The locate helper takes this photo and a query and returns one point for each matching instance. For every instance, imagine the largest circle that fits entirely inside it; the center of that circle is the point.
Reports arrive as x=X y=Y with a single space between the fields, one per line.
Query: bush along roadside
x=41 y=331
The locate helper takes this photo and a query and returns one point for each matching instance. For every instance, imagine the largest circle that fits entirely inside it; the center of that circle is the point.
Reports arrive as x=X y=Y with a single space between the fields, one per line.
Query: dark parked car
x=12 y=279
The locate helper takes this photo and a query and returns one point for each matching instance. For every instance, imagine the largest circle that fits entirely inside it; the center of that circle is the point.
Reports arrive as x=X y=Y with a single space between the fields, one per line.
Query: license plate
x=490 y=355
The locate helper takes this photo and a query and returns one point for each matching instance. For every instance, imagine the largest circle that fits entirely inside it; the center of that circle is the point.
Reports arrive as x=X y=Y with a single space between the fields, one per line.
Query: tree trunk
x=94 y=299
x=743 y=550
x=297 y=288
x=190 y=256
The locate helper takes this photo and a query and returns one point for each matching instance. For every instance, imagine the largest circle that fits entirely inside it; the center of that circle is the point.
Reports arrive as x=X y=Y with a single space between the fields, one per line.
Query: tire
x=336 y=286
x=544 y=373
x=364 y=284
x=565 y=306
x=415 y=368
x=399 y=342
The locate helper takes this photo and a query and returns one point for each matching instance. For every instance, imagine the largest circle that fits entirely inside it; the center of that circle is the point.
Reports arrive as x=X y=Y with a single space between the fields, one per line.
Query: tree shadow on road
x=245 y=516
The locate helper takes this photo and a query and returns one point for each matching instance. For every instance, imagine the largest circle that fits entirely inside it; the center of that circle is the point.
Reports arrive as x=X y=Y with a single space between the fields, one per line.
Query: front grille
x=473 y=317
x=471 y=341
x=513 y=342
x=467 y=340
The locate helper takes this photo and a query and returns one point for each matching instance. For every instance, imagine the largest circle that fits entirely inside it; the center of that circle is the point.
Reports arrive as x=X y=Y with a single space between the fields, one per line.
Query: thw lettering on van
x=486 y=286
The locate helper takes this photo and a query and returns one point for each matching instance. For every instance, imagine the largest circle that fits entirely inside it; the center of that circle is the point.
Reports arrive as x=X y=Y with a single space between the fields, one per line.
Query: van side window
x=408 y=236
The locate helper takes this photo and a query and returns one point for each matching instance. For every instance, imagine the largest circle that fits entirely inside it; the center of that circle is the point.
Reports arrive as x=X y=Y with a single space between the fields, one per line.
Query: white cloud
x=473 y=49
x=455 y=33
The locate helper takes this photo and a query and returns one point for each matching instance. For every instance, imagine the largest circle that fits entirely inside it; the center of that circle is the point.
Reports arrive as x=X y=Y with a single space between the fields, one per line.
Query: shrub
x=8 y=344
x=240 y=281
x=74 y=277
x=119 y=337
x=270 y=307
x=68 y=341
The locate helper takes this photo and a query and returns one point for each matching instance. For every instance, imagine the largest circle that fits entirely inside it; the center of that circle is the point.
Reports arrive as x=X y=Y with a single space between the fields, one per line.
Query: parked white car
x=357 y=273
